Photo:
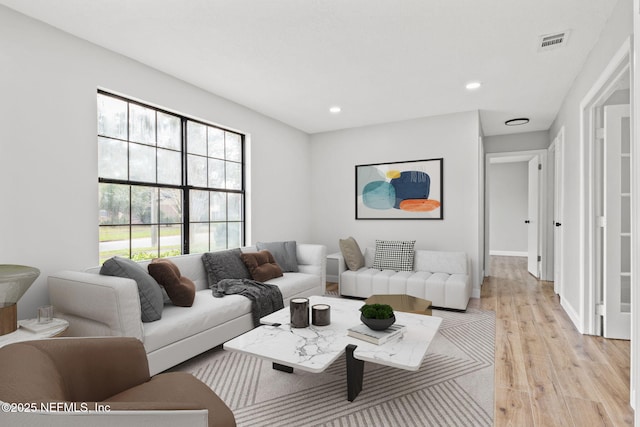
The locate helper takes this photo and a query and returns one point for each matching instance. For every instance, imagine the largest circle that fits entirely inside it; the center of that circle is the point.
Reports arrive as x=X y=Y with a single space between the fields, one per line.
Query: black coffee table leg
x=283 y=368
x=355 y=373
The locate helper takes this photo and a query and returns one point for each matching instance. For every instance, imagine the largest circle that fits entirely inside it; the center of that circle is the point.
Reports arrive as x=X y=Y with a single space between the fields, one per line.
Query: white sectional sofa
x=98 y=305
x=439 y=276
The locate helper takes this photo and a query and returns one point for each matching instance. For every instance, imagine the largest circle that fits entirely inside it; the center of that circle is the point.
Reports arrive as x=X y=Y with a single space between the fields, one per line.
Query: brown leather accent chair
x=110 y=371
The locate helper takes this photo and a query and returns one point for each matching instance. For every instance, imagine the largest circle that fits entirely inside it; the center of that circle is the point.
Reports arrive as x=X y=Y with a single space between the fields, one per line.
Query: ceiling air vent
x=553 y=41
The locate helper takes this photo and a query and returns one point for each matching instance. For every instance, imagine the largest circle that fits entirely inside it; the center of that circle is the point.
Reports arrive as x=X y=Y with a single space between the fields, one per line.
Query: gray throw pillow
x=224 y=265
x=351 y=253
x=151 y=302
x=285 y=254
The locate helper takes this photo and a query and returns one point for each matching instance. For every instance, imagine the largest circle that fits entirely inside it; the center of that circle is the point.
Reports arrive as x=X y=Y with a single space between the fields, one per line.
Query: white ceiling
x=380 y=60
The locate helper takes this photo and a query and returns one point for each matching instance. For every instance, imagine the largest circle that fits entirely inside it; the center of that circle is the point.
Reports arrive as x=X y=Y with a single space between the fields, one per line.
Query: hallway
x=547 y=374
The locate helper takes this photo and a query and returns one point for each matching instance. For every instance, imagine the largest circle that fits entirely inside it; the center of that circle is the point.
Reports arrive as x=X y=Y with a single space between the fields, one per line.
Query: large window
x=168 y=184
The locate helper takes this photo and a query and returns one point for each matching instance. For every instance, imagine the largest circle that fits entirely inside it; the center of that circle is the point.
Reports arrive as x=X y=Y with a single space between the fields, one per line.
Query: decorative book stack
x=33 y=325
x=365 y=333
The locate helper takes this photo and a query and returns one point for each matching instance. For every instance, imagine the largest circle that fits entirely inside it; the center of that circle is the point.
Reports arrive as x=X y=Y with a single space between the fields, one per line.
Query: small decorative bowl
x=378 y=324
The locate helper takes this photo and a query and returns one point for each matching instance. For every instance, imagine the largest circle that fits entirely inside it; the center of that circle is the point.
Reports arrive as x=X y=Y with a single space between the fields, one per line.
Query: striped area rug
x=454 y=386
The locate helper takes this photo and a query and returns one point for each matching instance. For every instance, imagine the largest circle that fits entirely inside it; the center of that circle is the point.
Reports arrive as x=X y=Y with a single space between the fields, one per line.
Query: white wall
x=508 y=199
x=453 y=137
x=48 y=149
x=526 y=141
x=616 y=31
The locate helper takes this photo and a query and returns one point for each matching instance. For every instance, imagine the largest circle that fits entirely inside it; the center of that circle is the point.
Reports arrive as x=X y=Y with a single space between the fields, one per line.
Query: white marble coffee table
x=314 y=348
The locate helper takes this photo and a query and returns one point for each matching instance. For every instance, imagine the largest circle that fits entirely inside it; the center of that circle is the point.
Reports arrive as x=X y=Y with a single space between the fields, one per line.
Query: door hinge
x=599 y=309
x=539 y=258
x=539 y=166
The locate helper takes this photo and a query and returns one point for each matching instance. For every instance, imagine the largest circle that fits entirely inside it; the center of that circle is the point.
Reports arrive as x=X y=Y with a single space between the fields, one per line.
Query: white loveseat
x=98 y=305
x=439 y=276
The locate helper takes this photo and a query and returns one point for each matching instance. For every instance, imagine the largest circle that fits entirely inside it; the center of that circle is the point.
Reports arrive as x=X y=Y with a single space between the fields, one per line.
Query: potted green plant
x=377 y=316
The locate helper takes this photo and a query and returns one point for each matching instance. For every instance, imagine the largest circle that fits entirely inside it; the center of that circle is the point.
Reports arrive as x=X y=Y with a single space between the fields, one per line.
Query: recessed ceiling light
x=517 y=122
x=335 y=109
x=473 y=85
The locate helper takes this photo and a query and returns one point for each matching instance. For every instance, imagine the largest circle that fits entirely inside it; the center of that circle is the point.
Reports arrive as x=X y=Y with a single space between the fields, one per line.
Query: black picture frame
x=412 y=189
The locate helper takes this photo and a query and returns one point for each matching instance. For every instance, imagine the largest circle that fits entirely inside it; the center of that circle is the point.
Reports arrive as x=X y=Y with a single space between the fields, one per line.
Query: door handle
x=526 y=221
x=558 y=224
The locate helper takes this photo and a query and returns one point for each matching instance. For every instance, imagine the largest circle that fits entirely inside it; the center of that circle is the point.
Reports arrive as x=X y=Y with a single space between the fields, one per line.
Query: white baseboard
x=573 y=315
x=509 y=253
x=475 y=293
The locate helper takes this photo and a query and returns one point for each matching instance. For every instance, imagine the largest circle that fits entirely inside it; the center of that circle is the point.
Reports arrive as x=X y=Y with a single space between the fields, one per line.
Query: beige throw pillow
x=351 y=253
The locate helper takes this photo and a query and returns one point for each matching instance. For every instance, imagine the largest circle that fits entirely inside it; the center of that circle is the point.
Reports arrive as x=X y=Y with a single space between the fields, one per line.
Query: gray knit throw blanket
x=265 y=298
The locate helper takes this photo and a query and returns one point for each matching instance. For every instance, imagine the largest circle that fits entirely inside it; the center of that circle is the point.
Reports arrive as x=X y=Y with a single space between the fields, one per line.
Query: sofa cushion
x=394 y=255
x=151 y=301
x=261 y=265
x=351 y=252
x=441 y=262
x=181 y=290
x=283 y=252
x=206 y=312
x=224 y=265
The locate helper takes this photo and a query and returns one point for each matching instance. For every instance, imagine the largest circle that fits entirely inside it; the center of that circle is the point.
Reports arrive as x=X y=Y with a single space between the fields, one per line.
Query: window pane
x=169 y=167
x=234 y=210
x=112 y=117
x=197 y=171
x=142 y=124
x=218 y=206
x=144 y=242
x=216 y=173
x=199 y=206
x=142 y=163
x=198 y=238
x=235 y=235
x=170 y=240
x=218 y=235
x=170 y=206
x=234 y=176
x=112 y=158
x=144 y=202
x=114 y=241
x=113 y=204
x=169 y=131
x=196 y=138
x=216 y=143
x=233 y=146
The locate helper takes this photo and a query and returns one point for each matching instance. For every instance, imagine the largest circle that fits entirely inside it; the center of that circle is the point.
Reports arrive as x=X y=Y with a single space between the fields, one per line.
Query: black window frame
x=184 y=187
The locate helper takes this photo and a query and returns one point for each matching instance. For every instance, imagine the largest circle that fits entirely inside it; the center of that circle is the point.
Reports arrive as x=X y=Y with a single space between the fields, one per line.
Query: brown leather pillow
x=261 y=265
x=181 y=290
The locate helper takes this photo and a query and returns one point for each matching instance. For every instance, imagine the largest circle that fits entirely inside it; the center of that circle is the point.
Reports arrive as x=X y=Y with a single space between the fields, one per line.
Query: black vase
x=378 y=324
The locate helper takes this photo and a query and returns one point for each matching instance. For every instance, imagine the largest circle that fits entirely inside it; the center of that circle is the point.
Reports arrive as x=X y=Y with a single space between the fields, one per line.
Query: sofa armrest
x=312 y=259
x=96 y=305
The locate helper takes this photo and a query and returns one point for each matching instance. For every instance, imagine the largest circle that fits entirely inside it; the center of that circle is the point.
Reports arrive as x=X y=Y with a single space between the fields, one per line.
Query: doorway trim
x=601 y=89
x=510 y=157
x=555 y=249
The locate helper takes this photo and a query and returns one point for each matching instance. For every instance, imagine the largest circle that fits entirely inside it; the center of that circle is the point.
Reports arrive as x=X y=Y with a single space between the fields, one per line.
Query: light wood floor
x=547 y=374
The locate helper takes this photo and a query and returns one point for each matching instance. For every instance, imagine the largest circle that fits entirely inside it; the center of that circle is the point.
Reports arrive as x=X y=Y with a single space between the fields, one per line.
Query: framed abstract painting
x=400 y=190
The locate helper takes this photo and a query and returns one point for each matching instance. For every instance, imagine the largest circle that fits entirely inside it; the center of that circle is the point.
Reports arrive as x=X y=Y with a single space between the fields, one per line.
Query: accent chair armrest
x=96 y=305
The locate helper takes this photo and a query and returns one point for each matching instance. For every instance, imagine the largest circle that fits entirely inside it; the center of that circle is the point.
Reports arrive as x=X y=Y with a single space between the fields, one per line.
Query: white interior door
x=533 y=220
x=617 y=214
x=557 y=214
